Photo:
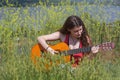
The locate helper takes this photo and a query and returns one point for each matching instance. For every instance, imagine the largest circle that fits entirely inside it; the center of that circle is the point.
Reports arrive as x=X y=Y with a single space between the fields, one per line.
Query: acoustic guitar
x=37 y=50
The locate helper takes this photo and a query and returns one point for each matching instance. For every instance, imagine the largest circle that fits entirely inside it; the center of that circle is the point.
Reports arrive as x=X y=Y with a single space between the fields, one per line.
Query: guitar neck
x=76 y=51
x=103 y=46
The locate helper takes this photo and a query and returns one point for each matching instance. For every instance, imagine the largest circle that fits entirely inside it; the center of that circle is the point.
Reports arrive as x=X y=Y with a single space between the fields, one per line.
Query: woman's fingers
x=95 y=49
x=52 y=51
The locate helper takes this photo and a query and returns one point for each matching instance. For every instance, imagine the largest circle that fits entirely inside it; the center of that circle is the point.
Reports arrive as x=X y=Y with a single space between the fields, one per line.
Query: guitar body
x=37 y=50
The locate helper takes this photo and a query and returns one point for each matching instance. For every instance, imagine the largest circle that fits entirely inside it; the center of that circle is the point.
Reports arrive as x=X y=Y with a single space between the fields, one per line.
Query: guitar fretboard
x=76 y=51
x=103 y=46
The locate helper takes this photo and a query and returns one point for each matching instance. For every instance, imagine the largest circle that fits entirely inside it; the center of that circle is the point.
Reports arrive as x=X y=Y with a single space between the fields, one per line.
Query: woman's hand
x=95 y=49
x=52 y=51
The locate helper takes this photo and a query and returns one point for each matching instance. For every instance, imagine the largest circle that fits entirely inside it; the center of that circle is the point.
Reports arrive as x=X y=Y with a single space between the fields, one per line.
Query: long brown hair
x=75 y=21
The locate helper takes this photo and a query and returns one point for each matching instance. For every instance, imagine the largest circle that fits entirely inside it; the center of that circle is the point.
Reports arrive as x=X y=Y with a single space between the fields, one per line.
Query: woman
x=73 y=33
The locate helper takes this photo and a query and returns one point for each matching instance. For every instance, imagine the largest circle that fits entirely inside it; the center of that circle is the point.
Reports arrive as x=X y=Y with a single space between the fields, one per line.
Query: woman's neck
x=73 y=42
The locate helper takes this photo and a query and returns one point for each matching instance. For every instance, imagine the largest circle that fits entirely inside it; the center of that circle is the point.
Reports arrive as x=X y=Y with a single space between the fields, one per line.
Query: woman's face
x=76 y=31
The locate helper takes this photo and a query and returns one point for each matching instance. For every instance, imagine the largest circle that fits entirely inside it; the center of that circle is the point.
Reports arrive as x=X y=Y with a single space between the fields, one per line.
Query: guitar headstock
x=107 y=46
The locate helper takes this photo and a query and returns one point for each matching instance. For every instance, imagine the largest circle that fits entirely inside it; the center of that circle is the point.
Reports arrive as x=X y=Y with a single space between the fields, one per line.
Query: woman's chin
x=78 y=37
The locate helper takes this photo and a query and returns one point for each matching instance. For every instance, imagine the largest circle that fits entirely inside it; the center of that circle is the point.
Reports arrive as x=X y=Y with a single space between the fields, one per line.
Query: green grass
x=19 y=30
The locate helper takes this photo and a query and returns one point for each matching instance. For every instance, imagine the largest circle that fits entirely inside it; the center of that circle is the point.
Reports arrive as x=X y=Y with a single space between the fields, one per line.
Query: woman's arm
x=89 y=40
x=50 y=37
x=94 y=49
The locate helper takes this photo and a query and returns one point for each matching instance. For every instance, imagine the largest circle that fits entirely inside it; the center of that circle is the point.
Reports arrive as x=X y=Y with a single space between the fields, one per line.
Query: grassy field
x=20 y=27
